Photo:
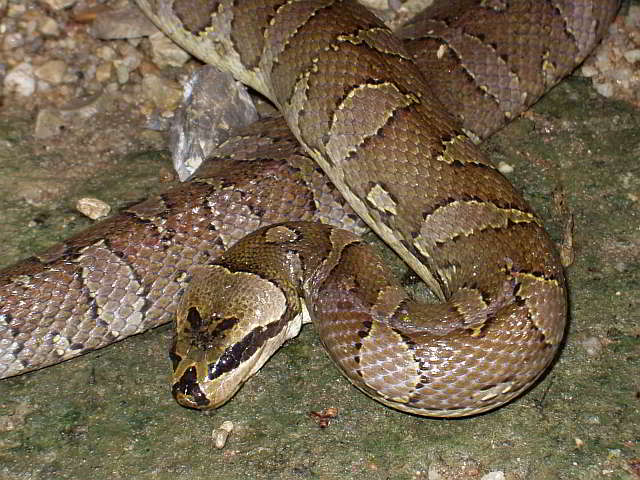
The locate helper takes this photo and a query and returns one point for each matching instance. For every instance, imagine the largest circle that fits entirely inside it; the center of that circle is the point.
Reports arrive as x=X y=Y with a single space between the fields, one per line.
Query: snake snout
x=187 y=391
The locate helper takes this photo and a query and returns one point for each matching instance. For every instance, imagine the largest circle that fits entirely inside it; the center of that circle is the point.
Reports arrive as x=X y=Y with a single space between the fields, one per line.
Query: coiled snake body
x=358 y=105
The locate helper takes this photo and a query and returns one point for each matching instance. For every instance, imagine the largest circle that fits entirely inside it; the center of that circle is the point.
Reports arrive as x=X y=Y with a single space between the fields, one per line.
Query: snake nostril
x=187 y=391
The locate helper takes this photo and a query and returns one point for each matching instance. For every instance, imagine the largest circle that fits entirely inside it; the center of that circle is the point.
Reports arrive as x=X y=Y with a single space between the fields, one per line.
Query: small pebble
x=593 y=346
x=59 y=4
x=220 y=435
x=106 y=53
x=49 y=123
x=497 y=475
x=21 y=80
x=104 y=72
x=589 y=71
x=165 y=52
x=505 y=168
x=162 y=92
x=48 y=26
x=93 y=208
x=52 y=71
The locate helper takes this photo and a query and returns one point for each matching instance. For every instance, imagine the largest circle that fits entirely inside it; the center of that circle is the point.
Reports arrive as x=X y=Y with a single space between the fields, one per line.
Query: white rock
x=376 y=4
x=604 y=89
x=106 y=53
x=12 y=40
x=221 y=434
x=93 y=207
x=59 y=4
x=498 y=475
x=588 y=71
x=632 y=56
x=20 y=80
x=433 y=473
x=505 y=168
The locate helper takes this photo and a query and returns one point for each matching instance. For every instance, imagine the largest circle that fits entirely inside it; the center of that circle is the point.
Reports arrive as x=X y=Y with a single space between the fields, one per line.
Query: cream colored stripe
x=290 y=18
x=461 y=150
x=467 y=46
x=575 y=25
x=353 y=122
x=296 y=106
x=464 y=218
x=379 y=39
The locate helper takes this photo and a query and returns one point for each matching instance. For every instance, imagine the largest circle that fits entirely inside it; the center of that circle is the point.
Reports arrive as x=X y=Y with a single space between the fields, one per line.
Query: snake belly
x=361 y=109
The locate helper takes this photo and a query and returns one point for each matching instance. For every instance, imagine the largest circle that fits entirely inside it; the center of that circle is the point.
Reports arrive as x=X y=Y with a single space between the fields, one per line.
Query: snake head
x=228 y=324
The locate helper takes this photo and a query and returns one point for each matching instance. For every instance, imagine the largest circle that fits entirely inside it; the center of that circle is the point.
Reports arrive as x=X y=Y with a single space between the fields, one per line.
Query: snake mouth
x=187 y=391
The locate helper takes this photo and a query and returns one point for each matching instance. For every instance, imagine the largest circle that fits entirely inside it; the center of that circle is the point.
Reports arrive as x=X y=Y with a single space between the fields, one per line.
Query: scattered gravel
x=56 y=53
x=100 y=72
x=615 y=66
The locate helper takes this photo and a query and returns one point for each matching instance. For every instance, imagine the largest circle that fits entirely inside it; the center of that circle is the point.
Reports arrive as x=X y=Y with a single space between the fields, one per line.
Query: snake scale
x=355 y=99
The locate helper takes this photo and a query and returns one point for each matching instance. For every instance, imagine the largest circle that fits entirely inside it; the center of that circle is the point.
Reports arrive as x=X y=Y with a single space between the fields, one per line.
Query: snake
x=375 y=129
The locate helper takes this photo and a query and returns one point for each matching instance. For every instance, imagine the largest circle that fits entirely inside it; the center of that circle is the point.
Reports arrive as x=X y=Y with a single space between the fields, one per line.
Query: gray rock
x=213 y=103
x=121 y=24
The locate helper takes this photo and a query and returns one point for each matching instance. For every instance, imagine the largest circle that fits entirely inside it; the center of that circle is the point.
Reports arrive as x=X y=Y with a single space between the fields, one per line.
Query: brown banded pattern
x=362 y=110
x=126 y=274
x=488 y=72
x=376 y=124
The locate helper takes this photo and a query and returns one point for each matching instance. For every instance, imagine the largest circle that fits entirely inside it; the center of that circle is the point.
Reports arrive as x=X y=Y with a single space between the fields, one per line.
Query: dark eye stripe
x=241 y=351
